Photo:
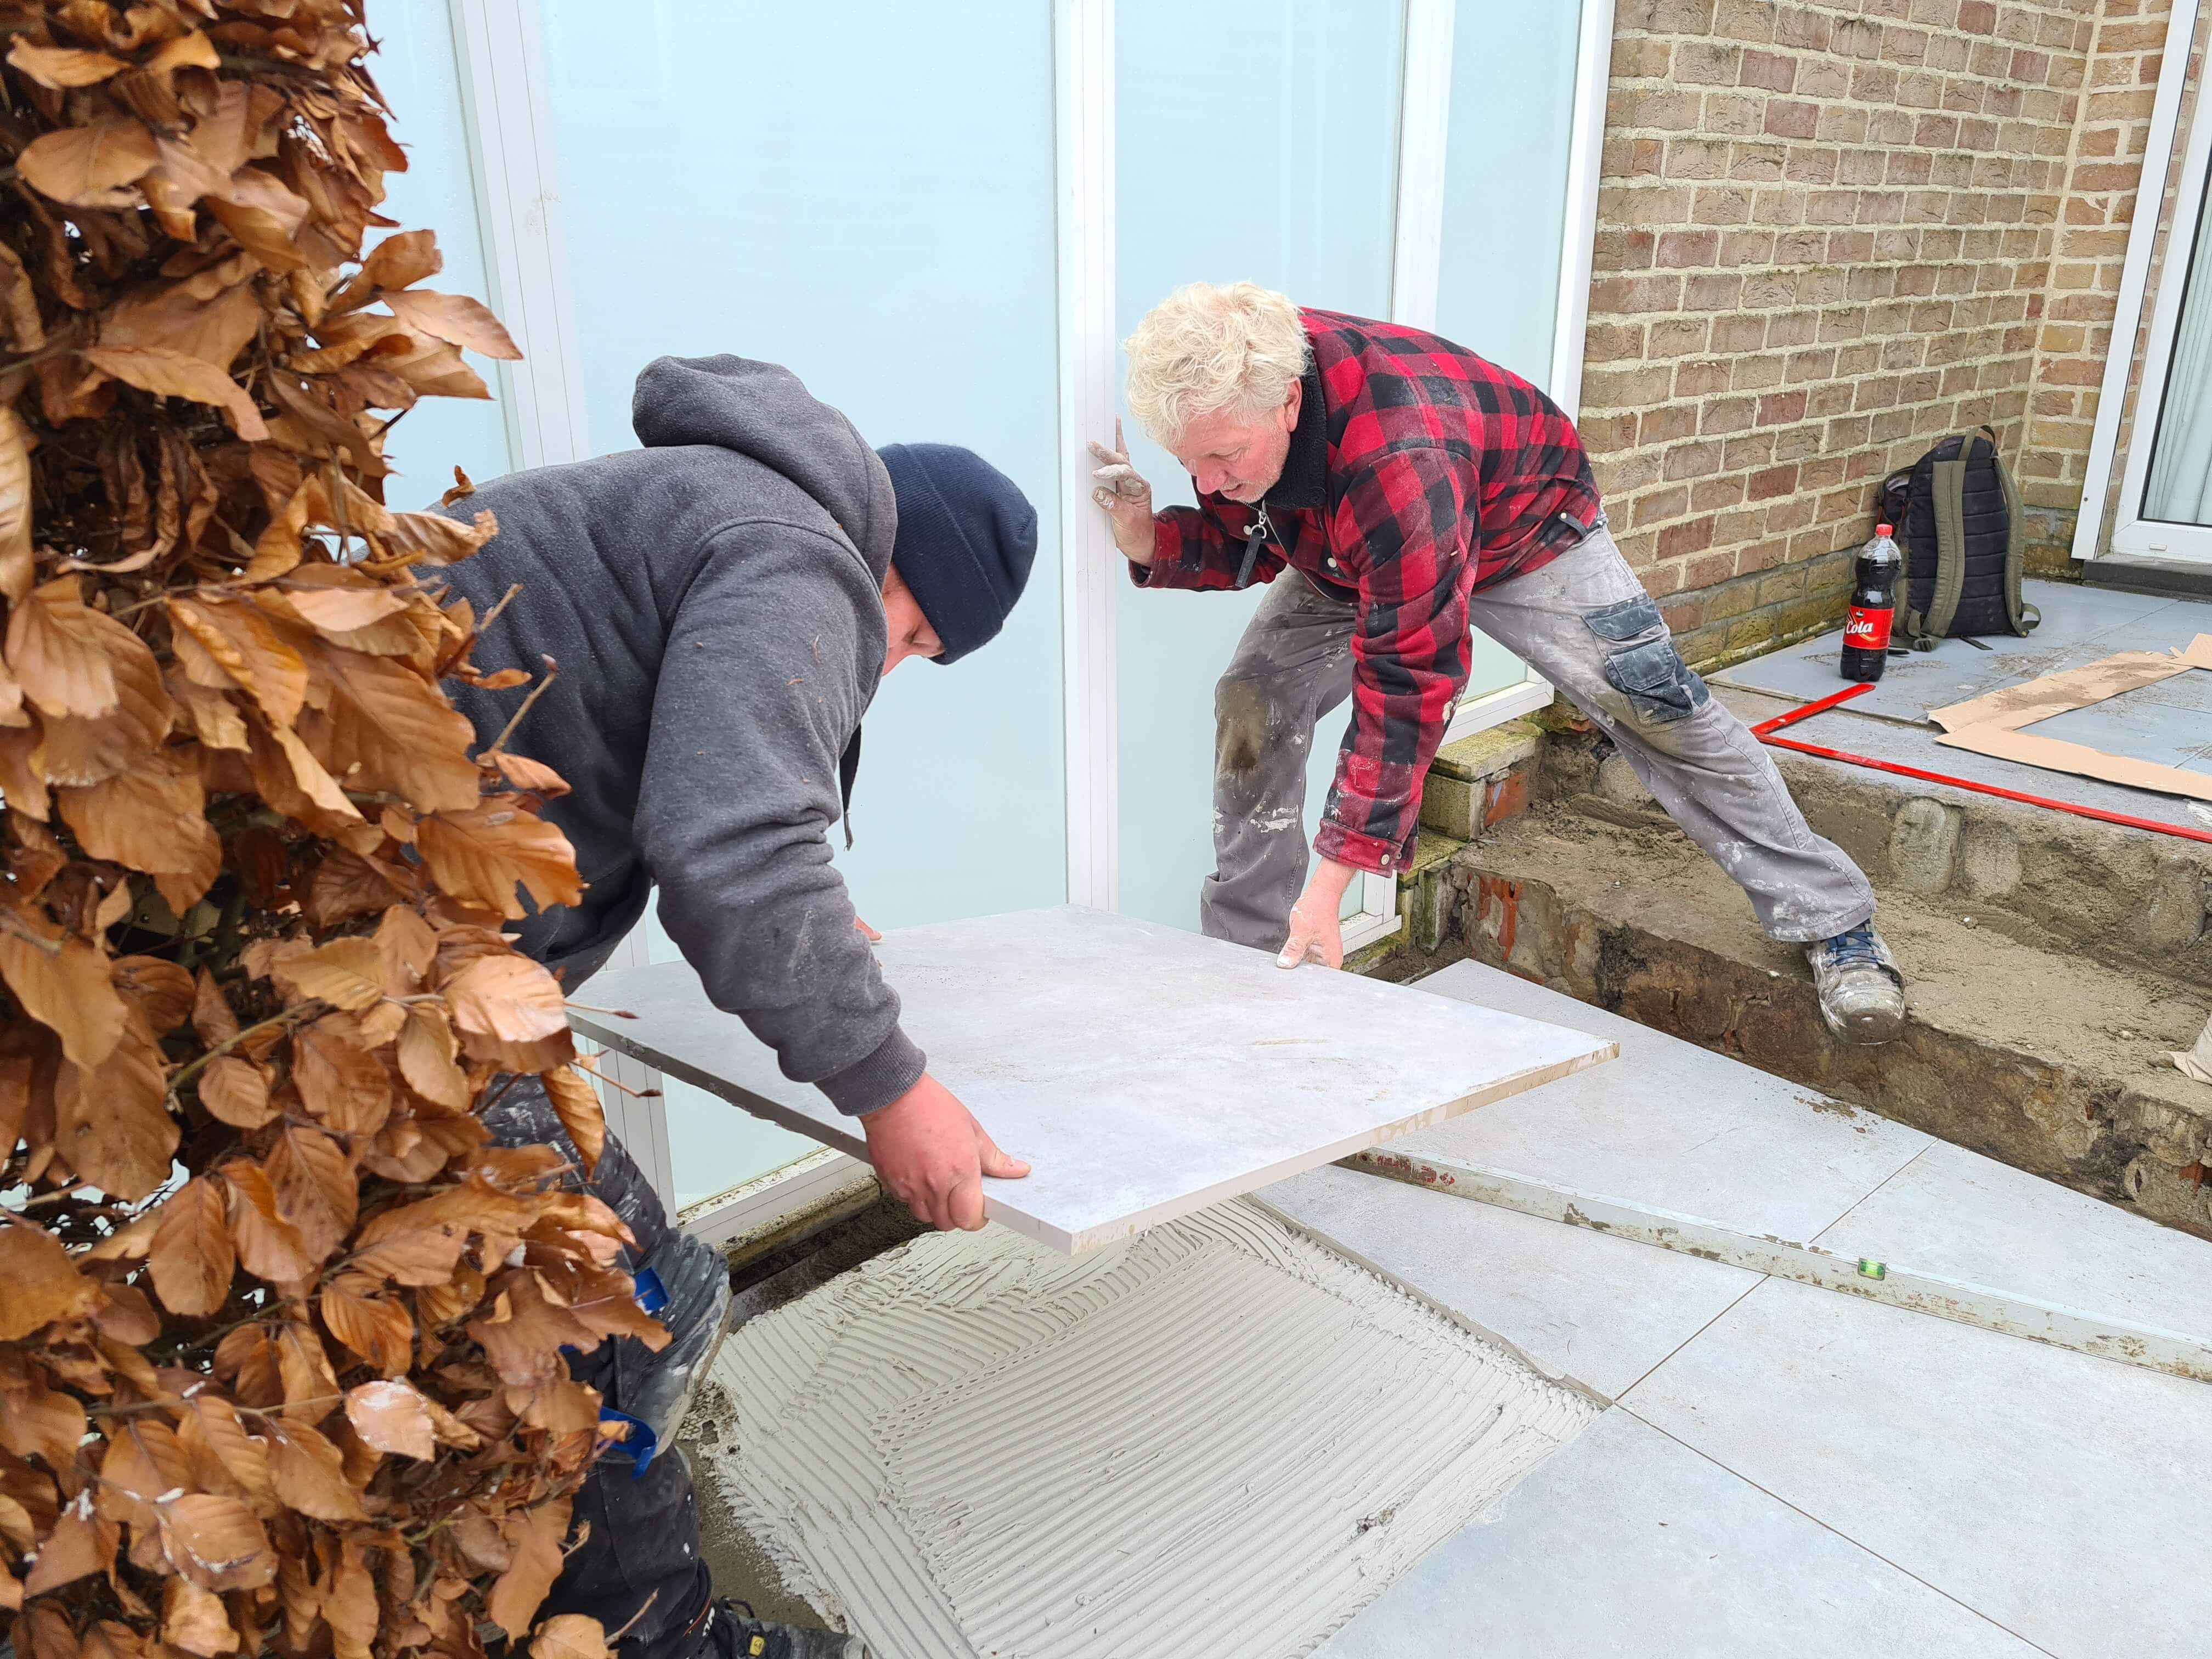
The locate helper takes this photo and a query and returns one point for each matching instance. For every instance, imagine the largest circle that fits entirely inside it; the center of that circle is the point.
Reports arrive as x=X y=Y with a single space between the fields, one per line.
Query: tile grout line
x=1638 y=1380
x=1827 y=1527
x=1866 y=1197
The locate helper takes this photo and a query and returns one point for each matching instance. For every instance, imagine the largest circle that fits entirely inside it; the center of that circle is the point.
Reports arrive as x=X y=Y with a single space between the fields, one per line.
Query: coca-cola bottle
x=1874 y=605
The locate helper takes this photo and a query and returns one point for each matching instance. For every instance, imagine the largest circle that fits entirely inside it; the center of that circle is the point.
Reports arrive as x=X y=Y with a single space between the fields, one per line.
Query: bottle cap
x=1885 y=530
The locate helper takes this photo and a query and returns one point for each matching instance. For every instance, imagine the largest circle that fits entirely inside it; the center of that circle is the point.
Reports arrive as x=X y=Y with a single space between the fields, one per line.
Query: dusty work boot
x=734 y=1634
x=1861 y=988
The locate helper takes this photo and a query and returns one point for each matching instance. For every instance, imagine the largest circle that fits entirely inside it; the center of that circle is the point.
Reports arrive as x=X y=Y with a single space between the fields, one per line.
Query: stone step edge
x=2143 y=1151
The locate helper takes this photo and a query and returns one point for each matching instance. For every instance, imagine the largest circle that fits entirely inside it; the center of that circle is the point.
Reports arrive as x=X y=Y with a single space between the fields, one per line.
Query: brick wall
x=1829 y=231
x=2104 y=169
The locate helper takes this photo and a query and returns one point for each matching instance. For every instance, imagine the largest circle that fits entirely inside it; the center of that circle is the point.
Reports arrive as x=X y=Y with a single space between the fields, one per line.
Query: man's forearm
x=1329 y=881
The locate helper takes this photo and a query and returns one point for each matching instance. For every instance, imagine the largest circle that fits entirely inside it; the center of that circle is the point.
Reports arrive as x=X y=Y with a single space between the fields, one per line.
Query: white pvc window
x=2165 y=503
x=944 y=218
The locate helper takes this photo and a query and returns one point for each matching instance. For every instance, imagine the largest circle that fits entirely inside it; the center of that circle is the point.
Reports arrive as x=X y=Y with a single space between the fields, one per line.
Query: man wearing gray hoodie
x=722 y=604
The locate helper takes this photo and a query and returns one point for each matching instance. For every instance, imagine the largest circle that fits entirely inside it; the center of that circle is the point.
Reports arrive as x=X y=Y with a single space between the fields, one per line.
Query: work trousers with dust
x=638 y=1566
x=1585 y=623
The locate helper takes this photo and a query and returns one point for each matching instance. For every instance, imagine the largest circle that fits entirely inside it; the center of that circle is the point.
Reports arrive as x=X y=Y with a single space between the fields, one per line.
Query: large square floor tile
x=1671 y=1125
x=1955 y=1213
x=2060 y=1496
x=1600 y=1311
x=1628 y=1544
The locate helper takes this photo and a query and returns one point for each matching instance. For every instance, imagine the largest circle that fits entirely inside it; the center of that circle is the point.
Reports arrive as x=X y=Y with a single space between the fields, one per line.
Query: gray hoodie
x=714 y=601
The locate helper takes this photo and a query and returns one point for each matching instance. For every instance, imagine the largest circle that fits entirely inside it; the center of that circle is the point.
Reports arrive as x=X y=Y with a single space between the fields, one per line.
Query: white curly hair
x=1203 y=349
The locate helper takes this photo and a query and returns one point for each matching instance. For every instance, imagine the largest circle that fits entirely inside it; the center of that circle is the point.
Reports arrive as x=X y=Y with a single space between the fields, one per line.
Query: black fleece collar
x=1304 y=481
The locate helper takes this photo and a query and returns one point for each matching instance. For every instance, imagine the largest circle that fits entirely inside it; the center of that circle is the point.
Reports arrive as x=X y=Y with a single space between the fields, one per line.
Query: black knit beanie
x=966 y=538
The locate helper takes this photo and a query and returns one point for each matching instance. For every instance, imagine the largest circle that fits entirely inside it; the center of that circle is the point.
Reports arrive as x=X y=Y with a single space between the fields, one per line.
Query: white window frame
x=2132 y=534
x=501 y=65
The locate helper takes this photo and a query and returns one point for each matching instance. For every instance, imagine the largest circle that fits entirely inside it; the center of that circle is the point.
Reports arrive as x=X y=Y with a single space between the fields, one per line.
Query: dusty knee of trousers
x=1642 y=663
x=1247 y=723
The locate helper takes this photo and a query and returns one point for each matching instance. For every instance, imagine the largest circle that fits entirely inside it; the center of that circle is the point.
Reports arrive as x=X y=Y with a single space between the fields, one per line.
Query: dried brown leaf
x=161 y=989
x=211 y=1014
x=192 y=1618
x=244 y=644
x=89 y=166
x=152 y=819
x=193 y=1259
x=270 y=1245
x=570 y=1636
x=310 y=1473
x=343 y=1082
x=15 y=559
x=174 y=375
x=393 y=1417
x=235 y=1091
x=113 y=1120
x=347 y=973
x=427 y=1050
x=536 y=1535
x=42 y=1284
x=376 y=1326
x=456 y=318
x=63 y=67
x=60 y=651
x=215 y=1543
x=486 y=853
x=316 y=1189
x=577 y=1104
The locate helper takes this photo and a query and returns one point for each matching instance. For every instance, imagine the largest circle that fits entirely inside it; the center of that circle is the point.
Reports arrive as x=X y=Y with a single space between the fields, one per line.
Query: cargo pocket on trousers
x=1657 y=682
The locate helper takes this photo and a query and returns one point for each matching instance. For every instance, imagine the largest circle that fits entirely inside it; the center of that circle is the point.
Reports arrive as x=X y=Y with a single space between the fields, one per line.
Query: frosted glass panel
x=1508 y=139
x=1254 y=140
x=864 y=193
x=415 y=69
x=1505 y=181
x=2179 y=491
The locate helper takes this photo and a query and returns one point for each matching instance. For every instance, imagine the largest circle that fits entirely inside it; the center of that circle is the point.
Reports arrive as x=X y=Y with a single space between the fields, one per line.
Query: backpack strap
x=2024 y=616
x=1947 y=494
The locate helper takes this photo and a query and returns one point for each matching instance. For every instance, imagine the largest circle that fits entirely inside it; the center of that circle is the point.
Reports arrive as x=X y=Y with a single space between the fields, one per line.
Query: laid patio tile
x=1628 y=1542
x=2060 y=1496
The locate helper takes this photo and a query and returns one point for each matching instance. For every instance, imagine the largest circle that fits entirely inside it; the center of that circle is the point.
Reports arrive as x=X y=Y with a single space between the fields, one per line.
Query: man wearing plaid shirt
x=1407 y=491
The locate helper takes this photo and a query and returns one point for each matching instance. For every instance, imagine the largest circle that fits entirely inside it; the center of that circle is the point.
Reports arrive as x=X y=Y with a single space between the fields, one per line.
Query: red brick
x=1780 y=408
x=1679 y=249
x=1769 y=69
x=1505 y=798
x=1773 y=482
x=1786 y=118
x=1691 y=536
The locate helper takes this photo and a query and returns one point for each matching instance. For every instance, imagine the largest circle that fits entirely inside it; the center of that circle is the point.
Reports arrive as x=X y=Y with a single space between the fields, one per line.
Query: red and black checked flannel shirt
x=1417 y=474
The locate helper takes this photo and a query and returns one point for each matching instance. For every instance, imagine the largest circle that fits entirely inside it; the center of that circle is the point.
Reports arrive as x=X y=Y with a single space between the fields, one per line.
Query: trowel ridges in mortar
x=1220 y=1438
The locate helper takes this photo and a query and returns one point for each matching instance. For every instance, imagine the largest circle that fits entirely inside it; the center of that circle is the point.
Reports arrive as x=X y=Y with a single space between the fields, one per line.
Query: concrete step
x=2074 y=886
x=2046 y=1057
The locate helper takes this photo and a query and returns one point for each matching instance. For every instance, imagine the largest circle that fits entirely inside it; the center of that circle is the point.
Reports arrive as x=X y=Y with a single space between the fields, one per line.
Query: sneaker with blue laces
x=1861 y=988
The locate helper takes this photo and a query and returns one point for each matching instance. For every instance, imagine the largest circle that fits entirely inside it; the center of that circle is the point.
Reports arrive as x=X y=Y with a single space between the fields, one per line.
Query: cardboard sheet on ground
x=1991 y=724
x=1145 y=1072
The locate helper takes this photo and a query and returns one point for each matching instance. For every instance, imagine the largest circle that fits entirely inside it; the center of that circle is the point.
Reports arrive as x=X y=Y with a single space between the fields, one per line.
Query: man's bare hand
x=1317 y=934
x=1126 y=498
x=932 y=1156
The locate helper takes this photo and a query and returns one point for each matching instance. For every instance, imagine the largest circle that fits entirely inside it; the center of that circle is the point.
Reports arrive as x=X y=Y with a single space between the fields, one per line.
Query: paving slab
x=1599 y=1312
x=1955 y=1213
x=1628 y=1542
x=1145 y=1073
x=1673 y=1125
x=1916 y=746
x=2079 y=626
x=2057 y=1495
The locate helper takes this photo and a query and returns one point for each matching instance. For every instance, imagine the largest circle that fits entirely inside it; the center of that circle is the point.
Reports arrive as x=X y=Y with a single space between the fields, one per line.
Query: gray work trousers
x=1584 y=623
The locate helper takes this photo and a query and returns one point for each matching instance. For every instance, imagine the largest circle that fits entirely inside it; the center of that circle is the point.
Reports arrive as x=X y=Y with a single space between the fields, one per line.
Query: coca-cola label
x=1869 y=629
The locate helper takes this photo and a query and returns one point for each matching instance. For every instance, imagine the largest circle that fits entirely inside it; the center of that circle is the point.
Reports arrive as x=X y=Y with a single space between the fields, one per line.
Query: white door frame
x=502 y=66
x=2131 y=532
